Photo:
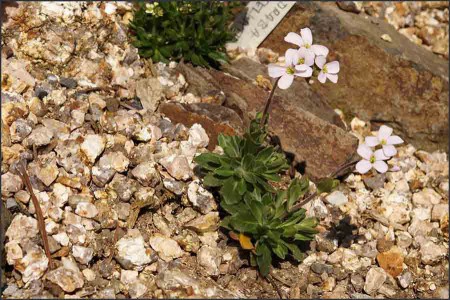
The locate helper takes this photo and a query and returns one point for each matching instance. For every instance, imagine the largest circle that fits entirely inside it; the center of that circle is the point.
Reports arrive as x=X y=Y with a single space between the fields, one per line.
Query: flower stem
x=268 y=102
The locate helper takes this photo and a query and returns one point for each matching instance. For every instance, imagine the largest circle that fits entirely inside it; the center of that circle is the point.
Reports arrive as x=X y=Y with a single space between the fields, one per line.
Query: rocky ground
x=423 y=22
x=126 y=214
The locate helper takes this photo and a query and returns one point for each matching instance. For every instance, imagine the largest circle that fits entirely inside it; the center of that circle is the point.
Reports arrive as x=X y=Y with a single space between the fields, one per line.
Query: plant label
x=262 y=18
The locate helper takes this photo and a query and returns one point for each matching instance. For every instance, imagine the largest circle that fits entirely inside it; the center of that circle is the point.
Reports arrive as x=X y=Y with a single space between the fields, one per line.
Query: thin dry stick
x=275 y=276
x=40 y=218
x=115 y=238
x=270 y=279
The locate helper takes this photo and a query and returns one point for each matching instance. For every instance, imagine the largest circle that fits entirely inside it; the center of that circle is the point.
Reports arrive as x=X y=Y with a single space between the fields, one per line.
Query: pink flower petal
x=309 y=58
x=302 y=67
x=320 y=61
x=389 y=150
x=305 y=73
x=291 y=57
x=363 y=166
x=320 y=50
x=333 y=67
x=364 y=151
x=384 y=132
x=394 y=140
x=332 y=77
x=395 y=168
x=380 y=166
x=285 y=81
x=322 y=77
x=294 y=38
x=372 y=141
x=302 y=52
x=306 y=36
x=276 y=71
x=379 y=155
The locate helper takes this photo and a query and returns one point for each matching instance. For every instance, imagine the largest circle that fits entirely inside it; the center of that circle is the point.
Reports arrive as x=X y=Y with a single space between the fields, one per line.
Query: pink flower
x=328 y=70
x=305 y=41
x=385 y=139
x=287 y=72
x=371 y=160
x=304 y=58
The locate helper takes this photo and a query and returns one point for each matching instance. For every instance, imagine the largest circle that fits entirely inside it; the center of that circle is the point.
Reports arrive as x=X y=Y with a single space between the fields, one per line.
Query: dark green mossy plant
x=194 y=30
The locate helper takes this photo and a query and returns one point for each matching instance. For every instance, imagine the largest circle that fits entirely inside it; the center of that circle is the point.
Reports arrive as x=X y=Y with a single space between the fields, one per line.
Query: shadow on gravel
x=343 y=232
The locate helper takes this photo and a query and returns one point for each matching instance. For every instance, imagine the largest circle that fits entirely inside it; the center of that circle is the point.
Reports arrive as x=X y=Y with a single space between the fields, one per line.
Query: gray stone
x=69 y=83
x=320 y=268
x=337 y=198
x=350 y=6
x=374 y=280
x=209 y=258
x=150 y=92
x=167 y=248
x=200 y=198
x=375 y=182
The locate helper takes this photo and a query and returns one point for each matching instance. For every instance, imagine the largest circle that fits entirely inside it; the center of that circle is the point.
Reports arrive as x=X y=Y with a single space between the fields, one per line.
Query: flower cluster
x=154 y=9
x=376 y=159
x=300 y=62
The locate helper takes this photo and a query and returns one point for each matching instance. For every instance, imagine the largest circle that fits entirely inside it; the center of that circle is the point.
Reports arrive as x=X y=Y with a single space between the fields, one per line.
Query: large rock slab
x=320 y=146
x=215 y=119
x=397 y=83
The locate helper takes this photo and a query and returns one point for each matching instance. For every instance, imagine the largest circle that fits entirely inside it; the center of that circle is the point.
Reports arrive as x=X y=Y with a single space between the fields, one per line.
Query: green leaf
x=211 y=181
x=327 y=185
x=296 y=189
x=293 y=219
x=307 y=225
x=230 y=145
x=296 y=252
x=225 y=223
x=209 y=161
x=241 y=187
x=264 y=258
x=256 y=208
x=303 y=237
x=248 y=162
x=232 y=209
x=230 y=192
x=280 y=250
x=264 y=155
x=224 y=171
x=253 y=261
x=244 y=222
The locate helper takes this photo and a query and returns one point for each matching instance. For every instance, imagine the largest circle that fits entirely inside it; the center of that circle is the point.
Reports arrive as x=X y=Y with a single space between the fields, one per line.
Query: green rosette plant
x=196 y=31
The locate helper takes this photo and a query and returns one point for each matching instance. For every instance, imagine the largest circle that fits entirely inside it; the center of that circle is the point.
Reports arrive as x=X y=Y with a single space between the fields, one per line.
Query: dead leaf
x=245 y=241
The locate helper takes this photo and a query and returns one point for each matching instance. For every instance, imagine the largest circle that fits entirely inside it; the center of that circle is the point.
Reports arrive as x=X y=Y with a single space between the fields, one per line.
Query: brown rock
x=312 y=140
x=384 y=245
x=214 y=119
x=399 y=83
x=391 y=261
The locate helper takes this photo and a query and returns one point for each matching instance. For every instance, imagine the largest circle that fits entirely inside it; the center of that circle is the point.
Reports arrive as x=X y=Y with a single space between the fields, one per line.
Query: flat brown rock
x=321 y=146
x=397 y=83
x=214 y=119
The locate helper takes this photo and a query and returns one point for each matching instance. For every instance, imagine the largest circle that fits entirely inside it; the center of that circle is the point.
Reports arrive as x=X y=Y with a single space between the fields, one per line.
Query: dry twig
x=40 y=218
x=115 y=238
x=270 y=279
